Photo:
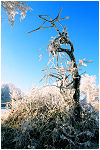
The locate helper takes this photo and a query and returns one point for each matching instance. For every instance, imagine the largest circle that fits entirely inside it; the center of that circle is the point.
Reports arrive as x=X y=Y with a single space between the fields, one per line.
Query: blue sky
x=20 y=63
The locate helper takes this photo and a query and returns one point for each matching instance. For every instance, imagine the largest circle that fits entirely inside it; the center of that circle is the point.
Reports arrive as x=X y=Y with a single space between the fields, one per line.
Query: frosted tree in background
x=15 y=7
x=89 y=88
x=10 y=92
x=5 y=93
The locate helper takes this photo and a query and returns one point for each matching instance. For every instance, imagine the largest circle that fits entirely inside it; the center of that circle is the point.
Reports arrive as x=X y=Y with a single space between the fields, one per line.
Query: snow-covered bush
x=42 y=120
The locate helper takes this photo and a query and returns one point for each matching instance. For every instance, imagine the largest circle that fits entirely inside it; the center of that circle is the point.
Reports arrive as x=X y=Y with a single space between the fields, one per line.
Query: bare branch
x=33 y=30
x=43 y=78
x=48 y=69
x=40 y=16
x=83 y=73
x=57 y=74
x=88 y=61
x=58 y=14
x=54 y=76
x=61 y=25
x=47 y=27
x=63 y=18
x=57 y=29
x=37 y=28
x=50 y=21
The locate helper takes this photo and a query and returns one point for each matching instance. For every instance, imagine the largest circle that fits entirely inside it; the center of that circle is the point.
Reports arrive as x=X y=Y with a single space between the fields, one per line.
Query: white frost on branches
x=89 y=88
x=15 y=7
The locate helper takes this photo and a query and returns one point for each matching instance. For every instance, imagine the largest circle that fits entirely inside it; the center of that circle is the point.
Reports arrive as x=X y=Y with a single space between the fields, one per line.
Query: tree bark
x=76 y=81
x=76 y=85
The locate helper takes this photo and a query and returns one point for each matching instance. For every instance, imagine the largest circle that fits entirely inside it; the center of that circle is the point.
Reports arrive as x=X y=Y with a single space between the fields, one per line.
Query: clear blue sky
x=20 y=63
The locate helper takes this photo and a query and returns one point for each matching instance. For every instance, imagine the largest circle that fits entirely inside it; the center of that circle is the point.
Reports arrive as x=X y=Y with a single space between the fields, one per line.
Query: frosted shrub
x=38 y=100
x=42 y=120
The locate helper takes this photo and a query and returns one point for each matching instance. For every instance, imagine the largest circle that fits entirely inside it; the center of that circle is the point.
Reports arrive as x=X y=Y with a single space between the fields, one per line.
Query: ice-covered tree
x=10 y=92
x=5 y=93
x=62 y=64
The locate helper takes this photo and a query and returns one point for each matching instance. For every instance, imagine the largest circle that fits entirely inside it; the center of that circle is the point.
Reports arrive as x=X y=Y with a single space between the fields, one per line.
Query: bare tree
x=63 y=63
